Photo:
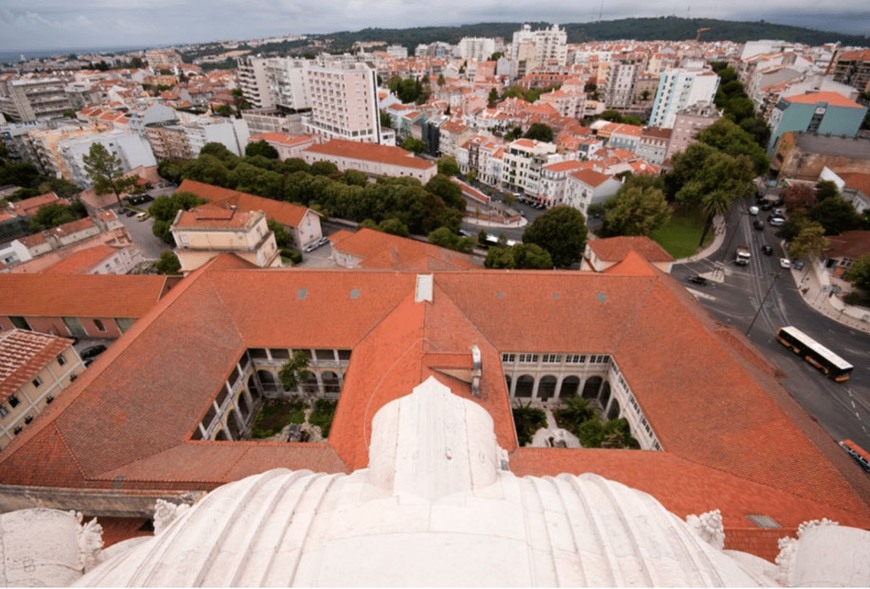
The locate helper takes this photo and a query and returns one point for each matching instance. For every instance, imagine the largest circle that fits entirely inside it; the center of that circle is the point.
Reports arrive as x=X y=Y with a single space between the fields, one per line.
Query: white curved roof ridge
x=403 y=527
x=433 y=443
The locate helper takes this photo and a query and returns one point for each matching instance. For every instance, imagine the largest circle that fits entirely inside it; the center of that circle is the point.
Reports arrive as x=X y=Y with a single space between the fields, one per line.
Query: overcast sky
x=48 y=24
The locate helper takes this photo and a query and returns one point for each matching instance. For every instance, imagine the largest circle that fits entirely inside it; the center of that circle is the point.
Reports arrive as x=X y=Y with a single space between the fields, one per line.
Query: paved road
x=842 y=409
x=140 y=231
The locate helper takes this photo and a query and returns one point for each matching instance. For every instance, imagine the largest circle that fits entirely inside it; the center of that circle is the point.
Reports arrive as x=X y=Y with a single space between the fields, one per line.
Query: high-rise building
x=531 y=49
x=33 y=99
x=477 y=48
x=620 y=81
x=344 y=101
x=679 y=89
x=254 y=82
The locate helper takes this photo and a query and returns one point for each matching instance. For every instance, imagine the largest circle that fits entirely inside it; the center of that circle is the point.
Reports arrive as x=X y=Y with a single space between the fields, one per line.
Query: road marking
x=700 y=295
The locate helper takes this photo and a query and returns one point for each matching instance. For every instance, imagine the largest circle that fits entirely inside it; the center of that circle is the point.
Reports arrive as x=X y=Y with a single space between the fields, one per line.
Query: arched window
x=547 y=387
x=591 y=388
x=613 y=412
x=569 y=387
x=604 y=396
x=525 y=385
x=331 y=384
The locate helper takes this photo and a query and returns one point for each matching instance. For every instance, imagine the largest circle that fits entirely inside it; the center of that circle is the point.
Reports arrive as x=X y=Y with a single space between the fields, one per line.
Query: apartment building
x=620 y=81
x=824 y=113
x=476 y=48
x=587 y=187
x=344 y=101
x=254 y=81
x=853 y=68
x=287 y=146
x=687 y=124
x=132 y=150
x=288 y=87
x=551 y=188
x=35 y=368
x=523 y=161
x=531 y=49
x=680 y=89
x=186 y=140
x=653 y=144
x=208 y=230
x=31 y=99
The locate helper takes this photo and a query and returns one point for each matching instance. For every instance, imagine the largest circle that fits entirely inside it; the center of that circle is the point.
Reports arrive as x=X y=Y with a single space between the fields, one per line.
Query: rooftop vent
x=301 y=294
x=763 y=521
x=354 y=293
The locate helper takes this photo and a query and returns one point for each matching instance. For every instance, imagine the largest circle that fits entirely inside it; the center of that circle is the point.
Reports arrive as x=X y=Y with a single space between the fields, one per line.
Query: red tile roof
x=286 y=213
x=383 y=154
x=82 y=261
x=79 y=295
x=733 y=439
x=382 y=250
x=614 y=249
x=591 y=177
x=23 y=354
x=831 y=98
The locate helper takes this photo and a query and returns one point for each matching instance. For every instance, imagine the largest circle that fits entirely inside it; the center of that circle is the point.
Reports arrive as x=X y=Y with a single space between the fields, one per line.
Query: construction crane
x=700 y=32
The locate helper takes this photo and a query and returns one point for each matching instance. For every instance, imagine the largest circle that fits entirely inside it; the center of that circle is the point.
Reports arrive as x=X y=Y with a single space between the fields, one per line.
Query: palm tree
x=714 y=203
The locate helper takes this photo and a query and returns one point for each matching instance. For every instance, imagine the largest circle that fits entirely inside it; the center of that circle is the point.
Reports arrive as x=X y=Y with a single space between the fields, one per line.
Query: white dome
x=482 y=527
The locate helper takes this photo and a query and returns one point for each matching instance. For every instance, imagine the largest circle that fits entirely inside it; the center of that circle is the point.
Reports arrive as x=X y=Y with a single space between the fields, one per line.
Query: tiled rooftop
x=23 y=354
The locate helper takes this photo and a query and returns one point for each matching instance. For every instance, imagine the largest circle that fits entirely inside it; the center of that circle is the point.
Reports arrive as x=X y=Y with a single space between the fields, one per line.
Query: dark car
x=766 y=205
x=758 y=224
x=766 y=250
x=92 y=352
x=699 y=280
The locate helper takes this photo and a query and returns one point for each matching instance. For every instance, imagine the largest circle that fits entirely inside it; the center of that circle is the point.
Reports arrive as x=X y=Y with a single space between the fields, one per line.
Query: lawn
x=680 y=235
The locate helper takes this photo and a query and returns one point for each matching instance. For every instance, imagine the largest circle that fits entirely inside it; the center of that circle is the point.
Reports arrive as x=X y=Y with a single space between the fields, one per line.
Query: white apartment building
x=31 y=99
x=620 y=80
x=587 y=187
x=551 y=189
x=206 y=231
x=230 y=132
x=476 y=48
x=680 y=89
x=287 y=86
x=131 y=149
x=254 y=81
x=522 y=164
x=531 y=49
x=344 y=101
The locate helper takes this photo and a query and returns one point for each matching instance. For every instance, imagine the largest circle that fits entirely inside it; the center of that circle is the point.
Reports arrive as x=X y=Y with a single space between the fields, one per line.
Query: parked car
x=92 y=352
x=776 y=221
x=699 y=280
x=753 y=210
x=799 y=265
x=142 y=216
x=130 y=212
x=758 y=224
x=785 y=262
x=779 y=212
x=766 y=250
x=766 y=205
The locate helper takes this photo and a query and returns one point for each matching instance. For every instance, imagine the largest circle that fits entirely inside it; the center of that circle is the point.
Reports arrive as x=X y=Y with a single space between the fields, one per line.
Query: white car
x=785 y=262
x=753 y=210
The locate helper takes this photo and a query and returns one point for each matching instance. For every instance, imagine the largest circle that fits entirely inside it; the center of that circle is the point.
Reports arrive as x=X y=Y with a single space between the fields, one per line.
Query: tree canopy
x=836 y=214
x=539 y=131
x=561 y=231
x=639 y=208
x=520 y=255
x=859 y=273
x=261 y=148
x=107 y=172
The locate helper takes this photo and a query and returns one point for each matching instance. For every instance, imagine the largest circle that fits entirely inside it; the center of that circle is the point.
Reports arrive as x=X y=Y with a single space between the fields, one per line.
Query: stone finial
x=165 y=513
x=90 y=542
x=708 y=526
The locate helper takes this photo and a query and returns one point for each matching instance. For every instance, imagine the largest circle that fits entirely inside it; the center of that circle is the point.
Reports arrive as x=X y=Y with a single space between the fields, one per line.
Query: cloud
x=33 y=24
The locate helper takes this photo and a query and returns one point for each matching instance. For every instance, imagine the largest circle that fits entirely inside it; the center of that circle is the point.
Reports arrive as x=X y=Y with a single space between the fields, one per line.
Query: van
x=142 y=216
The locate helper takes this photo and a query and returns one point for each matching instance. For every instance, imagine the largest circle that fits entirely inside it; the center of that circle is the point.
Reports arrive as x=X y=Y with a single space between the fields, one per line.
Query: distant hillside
x=668 y=28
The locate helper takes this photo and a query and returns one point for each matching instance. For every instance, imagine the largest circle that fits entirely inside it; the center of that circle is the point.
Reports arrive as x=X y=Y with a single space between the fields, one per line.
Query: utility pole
x=763 y=300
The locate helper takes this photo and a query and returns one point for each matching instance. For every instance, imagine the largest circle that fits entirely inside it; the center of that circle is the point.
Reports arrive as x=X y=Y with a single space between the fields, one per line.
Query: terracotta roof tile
x=382 y=250
x=286 y=213
x=23 y=354
x=831 y=98
x=371 y=152
x=82 y=261
x=614 y=249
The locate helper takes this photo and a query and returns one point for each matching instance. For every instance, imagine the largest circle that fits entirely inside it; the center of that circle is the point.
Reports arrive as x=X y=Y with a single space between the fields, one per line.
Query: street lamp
x=763 y=300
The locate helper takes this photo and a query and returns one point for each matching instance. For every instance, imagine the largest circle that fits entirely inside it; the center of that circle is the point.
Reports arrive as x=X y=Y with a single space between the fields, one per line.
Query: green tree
x=324 y=168
x=295 y=164
x=283 y=238
x=859 y=273
x=810 y=241
x=562 y=232
x=825 y=189
x=51 y=215
x=636 y=210
x=386 y=121
x=209 y=169
x=521 y=255
x=394 y=226
x=444 y=237
x=171 y=170
x=294 y=371
x=165 y=208
x=493 y=98
x=730 y=138
x=539 y=131
x=354 y=178
x=261 y=148
x=106 y=172
x=448 y=190
x=448 y=166
x=836 y=214
x=414 y=145
x=220 y=151
x=223 y=110
x=168 y=263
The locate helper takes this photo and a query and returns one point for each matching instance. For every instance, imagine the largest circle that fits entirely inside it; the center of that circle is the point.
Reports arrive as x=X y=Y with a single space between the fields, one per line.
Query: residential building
x=625 y=137
x=301 y=223
x=588 y=187
x=31 y=99
x=531 y=49
x=522 y=163
x=679 y=90
x=687 y=124
x=254 y=81
x=853 y=68
x=823 y=113
x=35 y=368
x=202 y=233
x=230 y=132
x=131 y=150
x=272 y=121
x=98 y=259
x=288 y=86
x=370 y=159
x=476 y=48
x=619 y=84
x=551 y=188
x=653 y=144
x=803 y=156
x=344 y=101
